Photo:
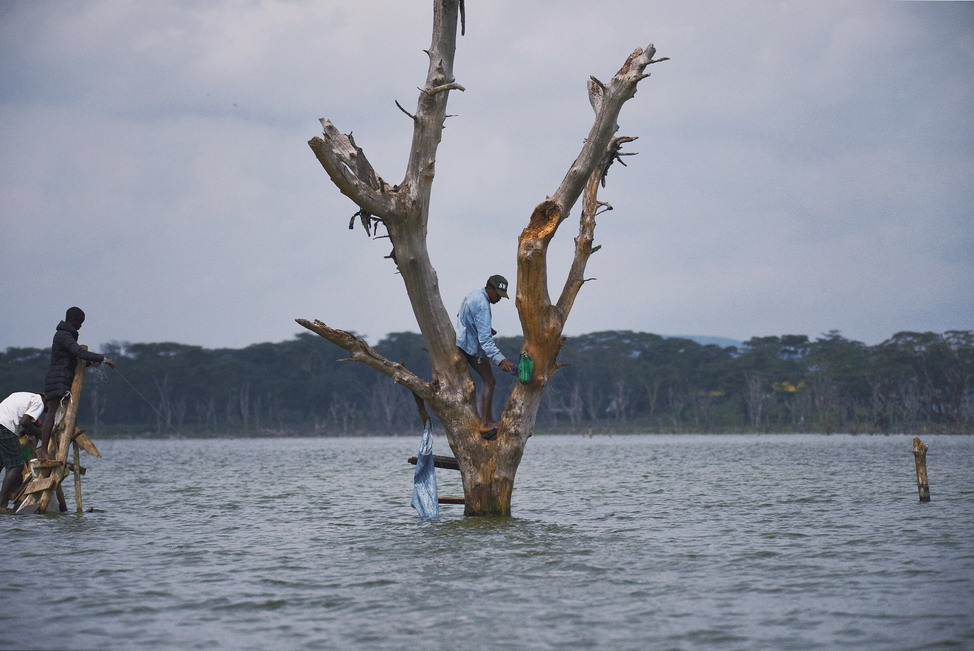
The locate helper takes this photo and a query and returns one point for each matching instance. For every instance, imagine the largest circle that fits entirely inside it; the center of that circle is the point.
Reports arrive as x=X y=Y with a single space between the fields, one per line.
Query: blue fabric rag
x=425 y=499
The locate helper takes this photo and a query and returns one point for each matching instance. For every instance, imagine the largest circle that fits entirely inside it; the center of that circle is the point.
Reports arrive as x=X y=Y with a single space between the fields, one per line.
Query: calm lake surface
x=620 y=542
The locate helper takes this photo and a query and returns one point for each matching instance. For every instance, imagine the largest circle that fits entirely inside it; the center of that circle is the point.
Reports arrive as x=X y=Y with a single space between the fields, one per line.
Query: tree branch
x=586 y=225
x=351 y=171
x=542 y=322
x=359 y=351
x=411 y=116
x=404 y=208
x=431 y=106
x=368 y=220
x=607 y=101
x=442 y=88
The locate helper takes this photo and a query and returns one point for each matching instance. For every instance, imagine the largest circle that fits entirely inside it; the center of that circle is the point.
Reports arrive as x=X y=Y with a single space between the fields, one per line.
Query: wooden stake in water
x=79 y=506
x=920 y=456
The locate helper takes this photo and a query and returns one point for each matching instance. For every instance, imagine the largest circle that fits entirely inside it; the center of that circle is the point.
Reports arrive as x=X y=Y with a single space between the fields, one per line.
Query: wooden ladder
x=43 y=477
x=447 y=463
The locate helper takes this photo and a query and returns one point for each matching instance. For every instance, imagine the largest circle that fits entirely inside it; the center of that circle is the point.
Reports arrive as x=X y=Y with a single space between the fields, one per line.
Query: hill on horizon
x=704 y=340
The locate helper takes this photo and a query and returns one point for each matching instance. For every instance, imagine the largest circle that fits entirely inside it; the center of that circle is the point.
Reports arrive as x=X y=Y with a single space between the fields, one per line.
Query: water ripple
x=651 y=541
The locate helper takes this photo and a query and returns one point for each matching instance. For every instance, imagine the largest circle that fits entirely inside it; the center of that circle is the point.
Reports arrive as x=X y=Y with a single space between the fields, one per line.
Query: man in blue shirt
x=475 y=338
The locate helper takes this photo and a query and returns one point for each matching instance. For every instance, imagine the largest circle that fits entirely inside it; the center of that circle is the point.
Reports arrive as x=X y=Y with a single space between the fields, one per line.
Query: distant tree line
x=616 y=381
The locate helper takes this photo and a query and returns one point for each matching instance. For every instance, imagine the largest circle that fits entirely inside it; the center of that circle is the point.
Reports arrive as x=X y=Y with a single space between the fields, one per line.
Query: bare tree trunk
x=677 y=399
x=756 y=399
x=488 y=468
x=823 y=391
x=163 y=414
x=387 y=402
x=567 y=401
x=243 y=401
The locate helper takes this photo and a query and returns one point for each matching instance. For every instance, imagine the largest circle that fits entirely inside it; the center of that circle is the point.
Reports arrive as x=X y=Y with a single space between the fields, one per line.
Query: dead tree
x=487 y=467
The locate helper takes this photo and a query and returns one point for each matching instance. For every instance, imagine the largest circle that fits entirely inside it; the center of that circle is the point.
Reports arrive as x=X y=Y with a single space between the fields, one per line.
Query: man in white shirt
x=18 y=414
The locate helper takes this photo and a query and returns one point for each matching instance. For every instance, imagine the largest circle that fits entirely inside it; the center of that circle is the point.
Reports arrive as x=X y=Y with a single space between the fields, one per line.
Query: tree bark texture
x=488 y=468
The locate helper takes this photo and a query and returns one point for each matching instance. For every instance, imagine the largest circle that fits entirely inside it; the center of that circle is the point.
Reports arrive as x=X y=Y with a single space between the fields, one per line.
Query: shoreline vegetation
x=107 y=435
x=616 y=382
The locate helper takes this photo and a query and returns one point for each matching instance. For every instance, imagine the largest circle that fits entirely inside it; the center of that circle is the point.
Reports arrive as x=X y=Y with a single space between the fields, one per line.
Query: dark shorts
x=11 y=451
x=473 y=359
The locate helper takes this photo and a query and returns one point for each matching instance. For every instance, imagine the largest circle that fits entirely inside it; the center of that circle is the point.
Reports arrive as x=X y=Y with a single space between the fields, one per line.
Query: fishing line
x=146 y=400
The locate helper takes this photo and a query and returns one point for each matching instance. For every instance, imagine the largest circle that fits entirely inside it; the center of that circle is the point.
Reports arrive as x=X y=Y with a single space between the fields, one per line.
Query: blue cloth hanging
x=425 y=499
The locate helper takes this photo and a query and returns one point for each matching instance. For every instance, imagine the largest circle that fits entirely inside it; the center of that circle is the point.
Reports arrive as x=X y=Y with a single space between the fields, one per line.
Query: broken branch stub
x=350 y=171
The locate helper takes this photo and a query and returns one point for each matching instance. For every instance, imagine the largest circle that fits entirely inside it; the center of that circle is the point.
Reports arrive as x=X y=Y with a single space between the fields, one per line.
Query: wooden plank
x=41 y=464
x=46 y=464
x=449 y=463
x=25 y=480
x=82 y=440
x=450 y=500
x=41 y=484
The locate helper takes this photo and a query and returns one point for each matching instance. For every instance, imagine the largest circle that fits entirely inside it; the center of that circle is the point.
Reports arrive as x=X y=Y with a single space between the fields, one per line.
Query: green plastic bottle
x=525 y=368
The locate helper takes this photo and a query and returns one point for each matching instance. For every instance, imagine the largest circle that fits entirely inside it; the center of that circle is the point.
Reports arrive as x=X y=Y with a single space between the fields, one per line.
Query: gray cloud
x=802 y=166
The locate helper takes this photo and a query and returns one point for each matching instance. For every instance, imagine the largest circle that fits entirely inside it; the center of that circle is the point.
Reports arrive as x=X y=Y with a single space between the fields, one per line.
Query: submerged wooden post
x=79 y=507
x=920 y=457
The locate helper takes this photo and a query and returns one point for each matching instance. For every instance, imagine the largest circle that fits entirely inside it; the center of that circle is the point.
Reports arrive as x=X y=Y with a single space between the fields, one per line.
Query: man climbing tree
x=475 y=339
x=487 y=467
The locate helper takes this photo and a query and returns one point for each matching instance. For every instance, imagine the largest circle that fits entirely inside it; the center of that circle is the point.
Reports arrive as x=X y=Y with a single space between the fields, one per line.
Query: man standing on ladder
x=65 y=353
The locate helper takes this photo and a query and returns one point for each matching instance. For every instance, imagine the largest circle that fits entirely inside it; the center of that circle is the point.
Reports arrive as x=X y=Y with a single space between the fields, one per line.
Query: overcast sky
x=803 y=166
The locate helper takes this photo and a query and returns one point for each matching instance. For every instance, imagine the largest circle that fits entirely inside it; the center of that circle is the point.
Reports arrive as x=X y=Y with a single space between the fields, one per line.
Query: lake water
x=620 y=542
